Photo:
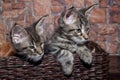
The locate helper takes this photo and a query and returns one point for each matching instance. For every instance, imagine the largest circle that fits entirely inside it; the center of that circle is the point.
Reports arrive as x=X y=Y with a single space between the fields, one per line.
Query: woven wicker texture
x=13 y=68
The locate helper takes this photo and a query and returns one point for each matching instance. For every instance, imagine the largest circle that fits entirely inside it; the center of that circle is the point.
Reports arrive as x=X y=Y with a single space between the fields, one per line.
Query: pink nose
x=85 y=36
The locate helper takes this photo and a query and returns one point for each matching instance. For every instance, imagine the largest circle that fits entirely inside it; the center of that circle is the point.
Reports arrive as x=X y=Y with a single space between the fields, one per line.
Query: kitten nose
x=85 y=36
x=39 y=50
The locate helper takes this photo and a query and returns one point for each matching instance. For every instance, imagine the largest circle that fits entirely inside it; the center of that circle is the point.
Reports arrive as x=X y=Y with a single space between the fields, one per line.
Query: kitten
x=29 y=42
x=70 y=37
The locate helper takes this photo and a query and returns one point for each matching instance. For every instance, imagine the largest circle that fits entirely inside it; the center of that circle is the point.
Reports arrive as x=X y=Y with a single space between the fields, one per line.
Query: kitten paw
x=85 y=54
x=65 y=58
x=87 y=58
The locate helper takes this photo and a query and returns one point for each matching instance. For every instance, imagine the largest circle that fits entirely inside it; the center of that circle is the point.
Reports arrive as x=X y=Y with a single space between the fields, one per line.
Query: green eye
x=31 y=47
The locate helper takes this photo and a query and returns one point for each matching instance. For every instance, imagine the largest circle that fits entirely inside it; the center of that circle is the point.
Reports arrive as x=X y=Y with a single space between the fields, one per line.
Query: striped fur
x=29 y=42
x=70 y=37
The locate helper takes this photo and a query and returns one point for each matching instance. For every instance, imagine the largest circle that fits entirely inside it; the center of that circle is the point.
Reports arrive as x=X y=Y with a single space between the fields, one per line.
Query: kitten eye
x=31 y=47
x=24 y=48
x=79 y=30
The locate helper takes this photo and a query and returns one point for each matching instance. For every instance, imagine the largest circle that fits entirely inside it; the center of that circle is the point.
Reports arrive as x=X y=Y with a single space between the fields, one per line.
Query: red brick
x=9 y=1
x=21 y=23
x=106 y=29
x=103 y=3
x=115 y=14
x=41 y=7
x=24 y=0
x=93 y=35
x=12 y=13
x=112 y=38
x=29 y=20
x=61 y=2
x=116 y=2
x=18 y=5
x=56 y=3
x=47 y=20
x=29 y=6
x=98 y=15
x=57 y=9
x=2 y=32
x=79 y=3
x=94 y=28
x=21 y=17
x=2 y=26
x=112 y=47
x=91 y=2
x=68 y=2
x=6 y=6
x=100 y=38
x=118 y=28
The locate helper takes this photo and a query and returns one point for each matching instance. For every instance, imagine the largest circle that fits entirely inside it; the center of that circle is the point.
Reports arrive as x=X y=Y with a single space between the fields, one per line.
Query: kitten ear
x=18 y=34
x=40 y=25
x=89 y=9
x=69 y=11
x=70 y=16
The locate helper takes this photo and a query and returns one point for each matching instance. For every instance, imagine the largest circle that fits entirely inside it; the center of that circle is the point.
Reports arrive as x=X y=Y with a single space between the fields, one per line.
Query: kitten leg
x=85 y=54
x=65 y=58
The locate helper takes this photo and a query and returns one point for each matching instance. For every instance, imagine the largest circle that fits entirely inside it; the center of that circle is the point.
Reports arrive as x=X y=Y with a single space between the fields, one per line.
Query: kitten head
x=29 y=42
x=75 y=22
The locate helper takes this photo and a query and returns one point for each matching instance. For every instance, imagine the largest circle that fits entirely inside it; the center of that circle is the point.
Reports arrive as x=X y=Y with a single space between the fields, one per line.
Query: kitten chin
x=34 y=60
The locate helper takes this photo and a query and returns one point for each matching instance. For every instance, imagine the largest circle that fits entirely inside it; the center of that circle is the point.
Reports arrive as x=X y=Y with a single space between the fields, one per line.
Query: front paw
x=65 y=58
x=86 y=58
x=85 y=54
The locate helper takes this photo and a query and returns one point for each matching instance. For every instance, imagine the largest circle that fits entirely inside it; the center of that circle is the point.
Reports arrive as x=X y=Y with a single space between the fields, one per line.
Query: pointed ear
x=18 y=34
x=89 y=9
x=69 y=11
x=70 y=16
x=40 y=25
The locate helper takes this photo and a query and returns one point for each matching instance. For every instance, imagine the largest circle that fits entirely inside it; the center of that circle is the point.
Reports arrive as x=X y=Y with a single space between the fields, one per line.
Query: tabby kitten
x=70 y=37
x=29 y=42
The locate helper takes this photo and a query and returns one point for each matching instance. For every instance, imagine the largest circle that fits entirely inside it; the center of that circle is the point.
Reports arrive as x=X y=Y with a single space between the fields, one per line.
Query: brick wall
x=105 y=20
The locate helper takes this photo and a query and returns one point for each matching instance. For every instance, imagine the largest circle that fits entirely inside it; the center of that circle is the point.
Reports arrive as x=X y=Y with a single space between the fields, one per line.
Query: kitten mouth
x=37 y=57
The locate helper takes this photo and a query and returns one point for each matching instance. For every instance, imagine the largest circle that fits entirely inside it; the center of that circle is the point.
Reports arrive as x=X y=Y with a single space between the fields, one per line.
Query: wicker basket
x=13 y=68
